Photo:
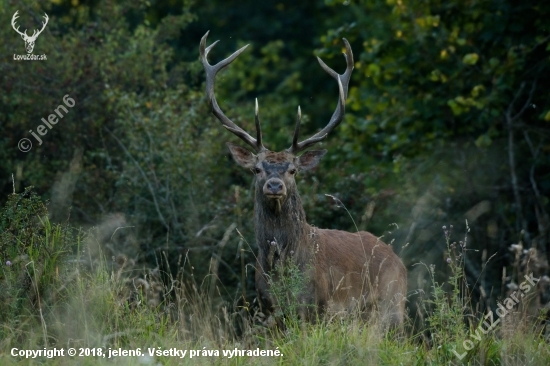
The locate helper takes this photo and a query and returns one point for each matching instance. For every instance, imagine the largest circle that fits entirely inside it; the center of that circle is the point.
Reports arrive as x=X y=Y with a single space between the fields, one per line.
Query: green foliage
x=447 y=118
x=139 y=116
x=288 y=283
x=32 y=251
x=20 y=225
x=448 y=308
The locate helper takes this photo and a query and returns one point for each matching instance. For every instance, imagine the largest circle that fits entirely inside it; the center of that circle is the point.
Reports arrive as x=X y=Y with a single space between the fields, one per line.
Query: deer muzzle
x=274 y=188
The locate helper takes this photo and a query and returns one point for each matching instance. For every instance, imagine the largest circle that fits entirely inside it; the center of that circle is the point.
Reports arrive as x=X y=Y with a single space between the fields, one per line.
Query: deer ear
x=310 y=159
x=242 y=156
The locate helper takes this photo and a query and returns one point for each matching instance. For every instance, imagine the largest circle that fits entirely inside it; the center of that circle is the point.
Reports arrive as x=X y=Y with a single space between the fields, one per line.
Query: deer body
x=352 y=272
x=343 y=271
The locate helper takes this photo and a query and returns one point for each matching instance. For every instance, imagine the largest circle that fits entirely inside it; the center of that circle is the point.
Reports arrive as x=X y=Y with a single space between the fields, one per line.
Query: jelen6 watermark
x=25 y=144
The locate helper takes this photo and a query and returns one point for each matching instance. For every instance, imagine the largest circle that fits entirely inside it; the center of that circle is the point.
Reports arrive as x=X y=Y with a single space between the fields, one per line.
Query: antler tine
x=211 y=71
x=297 y=129
x=258 y=128
x=13 y=23
x=343 y=82
x=43 y=23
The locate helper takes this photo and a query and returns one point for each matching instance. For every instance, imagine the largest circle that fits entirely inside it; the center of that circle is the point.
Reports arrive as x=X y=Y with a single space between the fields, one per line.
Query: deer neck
x=281 y=228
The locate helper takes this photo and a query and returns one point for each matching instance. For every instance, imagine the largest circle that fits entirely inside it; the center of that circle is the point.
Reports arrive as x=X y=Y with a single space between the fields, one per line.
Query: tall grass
x=58 y=292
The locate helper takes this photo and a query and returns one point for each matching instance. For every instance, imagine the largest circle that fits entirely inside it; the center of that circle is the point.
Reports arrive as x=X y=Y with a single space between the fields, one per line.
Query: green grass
x=57 y=293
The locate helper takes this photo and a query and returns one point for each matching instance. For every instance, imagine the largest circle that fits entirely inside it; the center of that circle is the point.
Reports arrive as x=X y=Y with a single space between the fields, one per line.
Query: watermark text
x=25 y=144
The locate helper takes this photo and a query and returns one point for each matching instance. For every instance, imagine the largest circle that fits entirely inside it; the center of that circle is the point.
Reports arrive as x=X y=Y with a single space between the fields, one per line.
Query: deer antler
x=211 y=71
x=343 y=81
x=36 y=33
x=15 y=16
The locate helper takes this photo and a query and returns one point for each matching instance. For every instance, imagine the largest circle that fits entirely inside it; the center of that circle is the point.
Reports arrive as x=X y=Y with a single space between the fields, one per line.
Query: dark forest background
x=448 y=120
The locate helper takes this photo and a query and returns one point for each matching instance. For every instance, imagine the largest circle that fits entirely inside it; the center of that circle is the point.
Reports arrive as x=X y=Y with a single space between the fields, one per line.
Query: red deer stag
x=343 y=270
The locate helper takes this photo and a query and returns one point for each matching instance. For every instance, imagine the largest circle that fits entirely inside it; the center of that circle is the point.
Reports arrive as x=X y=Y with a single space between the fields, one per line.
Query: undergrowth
x=56 y=294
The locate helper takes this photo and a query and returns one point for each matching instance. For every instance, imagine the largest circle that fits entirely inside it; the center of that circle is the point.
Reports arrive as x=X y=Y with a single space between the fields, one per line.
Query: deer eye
x=257 y=170
x=292 y=171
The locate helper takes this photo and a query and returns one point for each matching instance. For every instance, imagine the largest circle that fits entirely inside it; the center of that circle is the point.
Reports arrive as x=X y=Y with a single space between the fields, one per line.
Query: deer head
x=275 y=171
x=29 y=40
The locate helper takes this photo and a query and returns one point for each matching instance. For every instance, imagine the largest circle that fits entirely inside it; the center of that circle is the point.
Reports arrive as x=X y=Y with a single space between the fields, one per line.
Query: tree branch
x=510 y=119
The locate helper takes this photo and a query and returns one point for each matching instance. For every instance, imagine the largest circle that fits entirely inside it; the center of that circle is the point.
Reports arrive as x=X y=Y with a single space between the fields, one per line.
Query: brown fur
x=344 y=271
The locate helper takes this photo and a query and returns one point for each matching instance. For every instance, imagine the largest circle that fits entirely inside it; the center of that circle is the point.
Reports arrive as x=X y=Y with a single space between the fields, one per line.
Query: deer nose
x=274 y=187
